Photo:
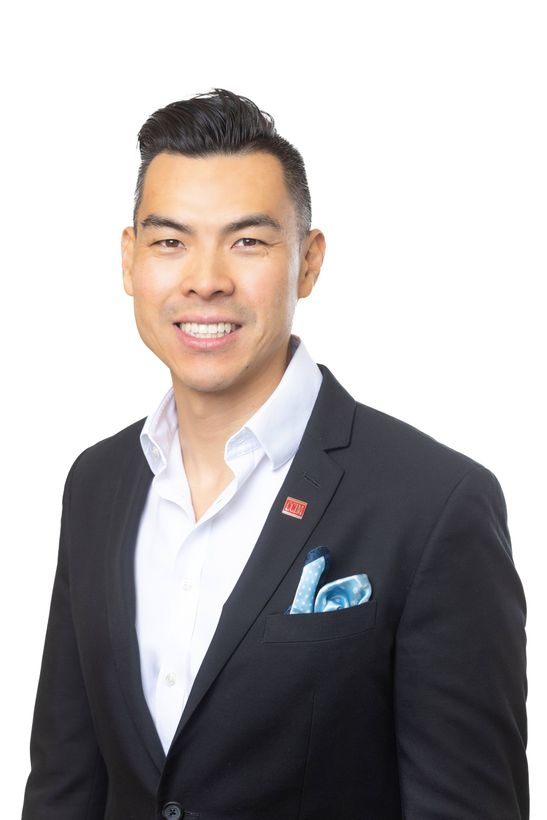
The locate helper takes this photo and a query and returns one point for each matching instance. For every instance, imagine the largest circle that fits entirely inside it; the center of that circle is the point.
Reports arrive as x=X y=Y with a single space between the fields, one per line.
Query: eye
x=168 y=243
x=253 y=242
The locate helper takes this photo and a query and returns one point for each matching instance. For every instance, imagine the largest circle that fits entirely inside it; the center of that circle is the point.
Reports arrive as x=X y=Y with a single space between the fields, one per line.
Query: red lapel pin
x=294 y=507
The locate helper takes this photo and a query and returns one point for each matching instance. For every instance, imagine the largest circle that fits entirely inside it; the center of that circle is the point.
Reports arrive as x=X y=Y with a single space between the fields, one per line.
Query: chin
x=205 y=384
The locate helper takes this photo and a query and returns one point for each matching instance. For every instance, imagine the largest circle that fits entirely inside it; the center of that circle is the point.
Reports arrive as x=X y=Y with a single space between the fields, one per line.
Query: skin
x=253 y=276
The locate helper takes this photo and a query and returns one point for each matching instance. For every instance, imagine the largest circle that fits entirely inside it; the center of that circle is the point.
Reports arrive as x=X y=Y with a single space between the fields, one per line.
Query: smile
x=209 y=331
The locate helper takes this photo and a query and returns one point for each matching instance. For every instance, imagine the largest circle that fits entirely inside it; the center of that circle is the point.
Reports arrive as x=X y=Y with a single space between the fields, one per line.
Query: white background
x=423 y=126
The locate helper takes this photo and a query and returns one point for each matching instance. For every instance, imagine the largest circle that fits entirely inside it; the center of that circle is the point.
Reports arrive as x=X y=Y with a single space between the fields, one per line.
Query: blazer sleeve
x=68 y=777
x=460 y=667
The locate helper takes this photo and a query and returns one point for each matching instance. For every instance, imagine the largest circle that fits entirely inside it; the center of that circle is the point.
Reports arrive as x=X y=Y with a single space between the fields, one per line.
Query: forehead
x=217 y=184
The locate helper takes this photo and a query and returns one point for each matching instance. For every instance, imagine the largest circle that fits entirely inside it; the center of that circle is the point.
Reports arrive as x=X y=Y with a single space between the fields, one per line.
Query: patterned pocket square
x=346 y=592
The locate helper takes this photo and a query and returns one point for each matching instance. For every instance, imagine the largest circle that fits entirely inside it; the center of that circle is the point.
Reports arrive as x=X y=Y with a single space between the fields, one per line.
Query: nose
x=207 y=277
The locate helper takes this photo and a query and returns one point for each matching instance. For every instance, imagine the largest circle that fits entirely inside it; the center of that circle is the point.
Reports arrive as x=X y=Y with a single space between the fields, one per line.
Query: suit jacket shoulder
x=109 y=455
x=389 y=452
x=400 y=452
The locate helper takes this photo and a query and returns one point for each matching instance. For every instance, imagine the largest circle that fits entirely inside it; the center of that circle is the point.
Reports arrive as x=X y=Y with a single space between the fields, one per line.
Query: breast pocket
x=320 y=626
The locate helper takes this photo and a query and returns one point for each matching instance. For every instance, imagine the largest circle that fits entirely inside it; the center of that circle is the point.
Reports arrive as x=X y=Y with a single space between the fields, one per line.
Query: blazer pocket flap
x=320 y=626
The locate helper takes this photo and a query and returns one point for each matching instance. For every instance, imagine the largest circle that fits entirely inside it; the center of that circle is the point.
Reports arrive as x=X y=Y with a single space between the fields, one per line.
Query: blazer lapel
x=312 y=477
x=127 y=504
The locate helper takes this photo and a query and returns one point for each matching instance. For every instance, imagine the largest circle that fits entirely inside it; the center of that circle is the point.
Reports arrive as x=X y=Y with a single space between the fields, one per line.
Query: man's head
x=220 y=238
x=222 y=122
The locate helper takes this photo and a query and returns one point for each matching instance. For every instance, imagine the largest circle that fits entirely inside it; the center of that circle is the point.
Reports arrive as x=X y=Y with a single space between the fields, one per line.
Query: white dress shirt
x=185 y=570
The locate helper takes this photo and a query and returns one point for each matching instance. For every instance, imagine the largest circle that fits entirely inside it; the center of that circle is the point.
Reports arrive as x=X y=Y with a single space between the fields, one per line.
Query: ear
x=313 y=252
x=128 y=248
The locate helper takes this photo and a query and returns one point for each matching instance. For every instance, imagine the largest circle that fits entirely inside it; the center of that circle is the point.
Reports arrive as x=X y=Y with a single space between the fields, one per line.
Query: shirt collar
x=158 y=431
x=277 y=426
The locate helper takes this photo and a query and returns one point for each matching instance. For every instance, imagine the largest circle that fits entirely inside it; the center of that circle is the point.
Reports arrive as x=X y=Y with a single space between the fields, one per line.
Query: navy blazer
x=408 y=707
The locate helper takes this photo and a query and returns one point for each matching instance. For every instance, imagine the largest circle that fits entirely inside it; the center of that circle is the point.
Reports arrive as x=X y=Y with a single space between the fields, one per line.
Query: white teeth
x=207 y=331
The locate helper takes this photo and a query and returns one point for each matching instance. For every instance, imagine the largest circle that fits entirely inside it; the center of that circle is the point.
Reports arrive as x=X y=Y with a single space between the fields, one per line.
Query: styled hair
x=221 y=122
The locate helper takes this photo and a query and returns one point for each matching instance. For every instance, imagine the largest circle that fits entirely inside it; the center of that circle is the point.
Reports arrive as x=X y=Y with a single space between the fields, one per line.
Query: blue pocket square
x=346 y=592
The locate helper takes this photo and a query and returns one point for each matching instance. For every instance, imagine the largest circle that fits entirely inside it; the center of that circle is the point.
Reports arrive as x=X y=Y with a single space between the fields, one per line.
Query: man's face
x=190 y=265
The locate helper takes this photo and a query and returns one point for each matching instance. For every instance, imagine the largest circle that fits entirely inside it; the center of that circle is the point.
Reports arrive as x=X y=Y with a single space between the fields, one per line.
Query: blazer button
x=172 y=811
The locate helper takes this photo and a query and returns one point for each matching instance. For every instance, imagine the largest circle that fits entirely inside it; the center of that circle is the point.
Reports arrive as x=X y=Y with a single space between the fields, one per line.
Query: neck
x=207 y=420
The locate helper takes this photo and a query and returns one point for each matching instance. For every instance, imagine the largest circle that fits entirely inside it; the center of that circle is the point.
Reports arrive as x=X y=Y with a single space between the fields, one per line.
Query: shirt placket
x=174 y=678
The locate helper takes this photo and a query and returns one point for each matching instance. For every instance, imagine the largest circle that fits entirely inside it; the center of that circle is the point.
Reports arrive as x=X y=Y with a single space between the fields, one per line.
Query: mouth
x=208 y=331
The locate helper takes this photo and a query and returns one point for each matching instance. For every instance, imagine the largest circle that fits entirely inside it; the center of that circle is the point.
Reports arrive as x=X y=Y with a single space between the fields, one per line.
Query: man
x=271 y=601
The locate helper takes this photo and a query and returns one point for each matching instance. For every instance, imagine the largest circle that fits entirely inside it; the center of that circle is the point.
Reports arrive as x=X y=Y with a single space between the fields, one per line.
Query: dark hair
x=221 y=122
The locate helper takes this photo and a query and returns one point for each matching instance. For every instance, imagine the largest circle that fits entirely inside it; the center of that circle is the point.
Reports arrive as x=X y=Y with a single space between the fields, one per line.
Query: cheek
x=270 y=288
x=270 y=299
x=147 y=301
x=151 y=283
x=277 y=310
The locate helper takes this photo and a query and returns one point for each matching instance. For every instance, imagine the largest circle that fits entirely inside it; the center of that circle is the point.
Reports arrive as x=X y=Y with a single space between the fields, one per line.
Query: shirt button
x=170 y=679
x=155 y=452
x=172 y=811
x=187 y=585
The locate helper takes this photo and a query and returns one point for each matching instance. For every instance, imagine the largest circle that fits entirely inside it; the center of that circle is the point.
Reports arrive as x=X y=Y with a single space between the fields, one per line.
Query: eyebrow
x=247 y=221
